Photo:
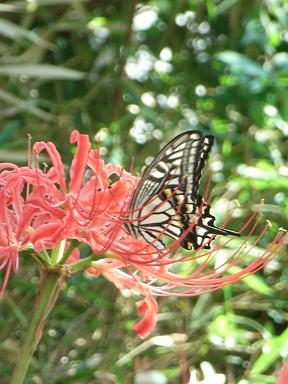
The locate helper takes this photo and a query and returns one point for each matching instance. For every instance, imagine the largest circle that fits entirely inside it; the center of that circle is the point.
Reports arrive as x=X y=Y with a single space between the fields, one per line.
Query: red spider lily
x=38 y=212
x=283 y=376
x=39 y=209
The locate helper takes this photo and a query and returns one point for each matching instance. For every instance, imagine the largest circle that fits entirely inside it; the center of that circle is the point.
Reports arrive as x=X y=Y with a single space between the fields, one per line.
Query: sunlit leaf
x=239 y=63
x=271 y=351
x=43 y=71
x=280 y=61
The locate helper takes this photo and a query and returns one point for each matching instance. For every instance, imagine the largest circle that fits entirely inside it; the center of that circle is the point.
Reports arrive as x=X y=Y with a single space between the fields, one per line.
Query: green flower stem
x=58 y=252
x=73 y=245
x=81 y=264
x=50 y=286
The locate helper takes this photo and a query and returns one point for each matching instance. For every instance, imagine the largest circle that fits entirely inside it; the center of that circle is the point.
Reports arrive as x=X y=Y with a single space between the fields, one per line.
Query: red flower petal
x=149 y=308
x=79 y=162
x=283 y=377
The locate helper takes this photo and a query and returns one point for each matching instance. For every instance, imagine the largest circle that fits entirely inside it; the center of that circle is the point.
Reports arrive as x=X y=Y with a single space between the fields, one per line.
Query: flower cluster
x=39 y=209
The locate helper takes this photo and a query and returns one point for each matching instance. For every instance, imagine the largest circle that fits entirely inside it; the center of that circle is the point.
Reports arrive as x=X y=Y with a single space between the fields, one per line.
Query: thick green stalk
x=50 y=285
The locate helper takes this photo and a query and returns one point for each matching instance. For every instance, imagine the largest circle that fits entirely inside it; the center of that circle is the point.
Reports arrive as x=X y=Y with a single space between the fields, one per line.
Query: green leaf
x=271 y=352
x=41 y=71
x=13 y=31
x=255 y=282
x=263 y=379
x=280 y=61
x=10 y=98
x=241 y=64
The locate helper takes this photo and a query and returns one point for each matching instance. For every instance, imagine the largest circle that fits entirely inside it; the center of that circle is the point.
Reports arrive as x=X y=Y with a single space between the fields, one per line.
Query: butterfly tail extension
x=207 y=221
x=224 y=232
x=204 y=231
x=201 y=236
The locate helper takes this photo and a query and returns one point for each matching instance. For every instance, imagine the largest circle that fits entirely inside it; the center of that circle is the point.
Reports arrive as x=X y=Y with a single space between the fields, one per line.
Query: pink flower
x=39 y=209
x=149 y=308
x=283 y=376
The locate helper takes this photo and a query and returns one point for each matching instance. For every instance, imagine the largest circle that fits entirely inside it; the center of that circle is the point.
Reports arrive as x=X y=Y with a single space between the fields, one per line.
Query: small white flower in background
x=150 y=377
x=210 y=376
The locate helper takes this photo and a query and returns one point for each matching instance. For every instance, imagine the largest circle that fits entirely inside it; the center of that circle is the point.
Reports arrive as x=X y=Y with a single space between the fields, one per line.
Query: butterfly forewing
x=179 y=164
x=166 y=201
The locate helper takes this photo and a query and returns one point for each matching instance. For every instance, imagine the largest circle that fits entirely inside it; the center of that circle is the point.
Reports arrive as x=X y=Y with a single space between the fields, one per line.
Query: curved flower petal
x=46 y=236
x=79 y=162
x=283 y=376
x=149 y=308
x=56 y=173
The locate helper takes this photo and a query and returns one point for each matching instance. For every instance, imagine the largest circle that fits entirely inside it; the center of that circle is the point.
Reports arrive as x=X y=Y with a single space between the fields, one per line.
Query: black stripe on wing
x=203 y=156
x=179 y=164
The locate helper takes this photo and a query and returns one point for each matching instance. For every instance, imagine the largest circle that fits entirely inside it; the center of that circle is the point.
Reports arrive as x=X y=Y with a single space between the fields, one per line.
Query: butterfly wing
x=166 y=200
x=182 y=159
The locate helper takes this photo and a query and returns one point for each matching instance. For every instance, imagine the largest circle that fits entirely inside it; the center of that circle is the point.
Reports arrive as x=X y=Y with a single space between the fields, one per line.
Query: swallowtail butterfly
x=167 y=202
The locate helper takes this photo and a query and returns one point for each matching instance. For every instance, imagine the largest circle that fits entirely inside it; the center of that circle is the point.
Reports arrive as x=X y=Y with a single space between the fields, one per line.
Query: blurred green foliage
x=133 y=75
